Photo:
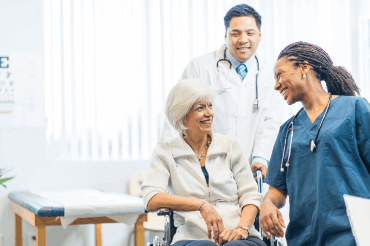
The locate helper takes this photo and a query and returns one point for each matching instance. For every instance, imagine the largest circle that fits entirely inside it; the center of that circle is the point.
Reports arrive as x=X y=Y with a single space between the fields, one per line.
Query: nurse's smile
x=290 y=81
x=283 y=92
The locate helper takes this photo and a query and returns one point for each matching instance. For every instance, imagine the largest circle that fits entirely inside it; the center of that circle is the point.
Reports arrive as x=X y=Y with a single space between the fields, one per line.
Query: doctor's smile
x=242 y=37
x=243 y=48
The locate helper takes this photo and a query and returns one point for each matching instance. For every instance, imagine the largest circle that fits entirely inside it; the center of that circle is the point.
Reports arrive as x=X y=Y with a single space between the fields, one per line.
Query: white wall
x=23 y=148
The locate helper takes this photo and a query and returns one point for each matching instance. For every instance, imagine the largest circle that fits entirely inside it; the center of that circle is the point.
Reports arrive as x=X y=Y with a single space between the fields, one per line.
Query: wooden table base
x=18 y=229
x=42 y=222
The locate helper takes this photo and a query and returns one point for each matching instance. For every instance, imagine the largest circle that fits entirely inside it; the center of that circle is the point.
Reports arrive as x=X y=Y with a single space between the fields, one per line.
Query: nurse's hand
x=259 y=166
x=271 y=220
x=213 y=220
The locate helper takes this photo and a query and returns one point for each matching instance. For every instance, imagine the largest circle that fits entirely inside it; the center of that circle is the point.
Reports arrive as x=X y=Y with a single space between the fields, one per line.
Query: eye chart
x=6 y=87
x=21 y=90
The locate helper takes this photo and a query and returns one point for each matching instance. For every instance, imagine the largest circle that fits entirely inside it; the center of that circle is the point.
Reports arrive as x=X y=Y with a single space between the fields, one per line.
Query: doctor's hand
x=271 y=220
x=213 y=220
x=259 y=166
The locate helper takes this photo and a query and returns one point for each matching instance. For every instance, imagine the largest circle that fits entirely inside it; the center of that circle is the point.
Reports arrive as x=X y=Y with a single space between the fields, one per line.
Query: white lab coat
x=256 y=130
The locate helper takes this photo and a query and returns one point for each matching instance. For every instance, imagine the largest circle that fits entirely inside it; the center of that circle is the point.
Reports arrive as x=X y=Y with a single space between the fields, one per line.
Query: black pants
x=250 y=241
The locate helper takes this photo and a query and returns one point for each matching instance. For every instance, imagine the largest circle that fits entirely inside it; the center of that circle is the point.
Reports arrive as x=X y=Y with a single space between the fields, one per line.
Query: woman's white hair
x=182 y=97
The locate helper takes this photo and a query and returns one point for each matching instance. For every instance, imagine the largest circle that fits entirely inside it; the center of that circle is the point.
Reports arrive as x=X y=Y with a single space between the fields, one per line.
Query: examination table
x=76 y=207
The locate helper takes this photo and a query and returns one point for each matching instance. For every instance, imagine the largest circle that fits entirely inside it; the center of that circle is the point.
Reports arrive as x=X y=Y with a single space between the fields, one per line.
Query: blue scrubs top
x=316 y=181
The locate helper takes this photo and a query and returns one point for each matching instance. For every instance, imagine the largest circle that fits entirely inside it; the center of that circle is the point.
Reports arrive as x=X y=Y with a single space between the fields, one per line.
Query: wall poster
x=21 y=90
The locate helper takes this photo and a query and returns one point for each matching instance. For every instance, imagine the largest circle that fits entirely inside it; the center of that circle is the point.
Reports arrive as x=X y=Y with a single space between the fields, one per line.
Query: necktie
x=242 y=71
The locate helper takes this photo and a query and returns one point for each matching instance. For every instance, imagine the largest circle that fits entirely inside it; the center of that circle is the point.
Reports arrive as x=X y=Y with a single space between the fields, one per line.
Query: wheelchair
x=170 y=229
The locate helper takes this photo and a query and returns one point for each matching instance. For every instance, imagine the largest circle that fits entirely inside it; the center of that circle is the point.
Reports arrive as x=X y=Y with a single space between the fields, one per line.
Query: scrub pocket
x=338 y=150
x=337 y=229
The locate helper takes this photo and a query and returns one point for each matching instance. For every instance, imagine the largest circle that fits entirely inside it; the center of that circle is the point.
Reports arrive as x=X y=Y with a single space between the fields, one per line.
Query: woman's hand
x=213 y=221
x=232 y=234
x=271 y=220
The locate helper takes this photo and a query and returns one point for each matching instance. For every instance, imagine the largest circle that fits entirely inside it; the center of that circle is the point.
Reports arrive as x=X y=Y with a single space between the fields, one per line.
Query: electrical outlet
x=31 y=239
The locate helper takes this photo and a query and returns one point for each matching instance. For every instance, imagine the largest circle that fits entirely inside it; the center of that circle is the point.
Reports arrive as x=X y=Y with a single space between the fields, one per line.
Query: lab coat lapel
x=224 y=68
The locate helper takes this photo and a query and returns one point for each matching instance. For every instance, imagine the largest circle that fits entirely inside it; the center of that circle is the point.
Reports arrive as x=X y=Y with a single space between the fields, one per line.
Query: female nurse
x=320 y=154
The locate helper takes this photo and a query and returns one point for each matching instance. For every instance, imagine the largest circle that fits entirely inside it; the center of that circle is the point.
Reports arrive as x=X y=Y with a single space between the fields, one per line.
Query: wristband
x=203 y=201
x=244 y=228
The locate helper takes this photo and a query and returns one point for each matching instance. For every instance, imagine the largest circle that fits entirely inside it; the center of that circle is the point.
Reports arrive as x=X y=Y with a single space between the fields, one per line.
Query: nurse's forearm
x=276 y=196
x=173 y=202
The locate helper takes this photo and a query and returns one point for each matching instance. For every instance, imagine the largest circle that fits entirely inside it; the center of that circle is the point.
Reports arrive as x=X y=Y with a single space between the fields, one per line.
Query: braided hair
x=338 y=80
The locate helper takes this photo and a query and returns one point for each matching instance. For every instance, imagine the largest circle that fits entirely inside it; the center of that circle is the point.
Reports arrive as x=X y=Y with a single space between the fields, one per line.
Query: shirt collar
x=235 y=63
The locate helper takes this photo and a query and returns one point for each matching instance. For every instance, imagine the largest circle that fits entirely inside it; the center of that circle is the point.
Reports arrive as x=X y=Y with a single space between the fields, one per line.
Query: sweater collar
x=180 y=148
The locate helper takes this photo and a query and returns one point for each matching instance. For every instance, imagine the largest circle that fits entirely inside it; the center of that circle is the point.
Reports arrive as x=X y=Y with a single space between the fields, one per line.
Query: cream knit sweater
x=175 y=169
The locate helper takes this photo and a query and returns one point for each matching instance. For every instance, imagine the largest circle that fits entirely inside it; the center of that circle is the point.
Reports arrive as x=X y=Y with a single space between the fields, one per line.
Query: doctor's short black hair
x=242 y=10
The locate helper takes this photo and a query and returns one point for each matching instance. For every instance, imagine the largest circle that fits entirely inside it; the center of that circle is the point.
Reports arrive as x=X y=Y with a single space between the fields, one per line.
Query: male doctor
x=246 y=105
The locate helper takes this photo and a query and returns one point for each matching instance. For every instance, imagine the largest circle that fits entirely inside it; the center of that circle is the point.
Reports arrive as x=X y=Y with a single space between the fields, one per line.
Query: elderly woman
x=203 y=176
x=320 y=154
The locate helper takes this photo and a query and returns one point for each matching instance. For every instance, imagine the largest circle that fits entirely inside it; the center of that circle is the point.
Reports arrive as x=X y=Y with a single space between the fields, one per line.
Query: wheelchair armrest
x=164 y=211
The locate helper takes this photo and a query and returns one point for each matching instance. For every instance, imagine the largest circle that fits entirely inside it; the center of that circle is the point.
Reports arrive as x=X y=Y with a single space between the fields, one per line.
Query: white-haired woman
x=203 y=176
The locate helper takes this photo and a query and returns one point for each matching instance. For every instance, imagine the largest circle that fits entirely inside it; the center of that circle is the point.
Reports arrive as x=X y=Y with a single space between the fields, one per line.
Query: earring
x=304 y=75
x=183 y=134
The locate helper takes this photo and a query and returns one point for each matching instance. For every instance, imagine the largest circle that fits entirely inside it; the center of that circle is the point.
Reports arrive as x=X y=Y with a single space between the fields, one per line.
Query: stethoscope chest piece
x=255 y=104
x=313 y=145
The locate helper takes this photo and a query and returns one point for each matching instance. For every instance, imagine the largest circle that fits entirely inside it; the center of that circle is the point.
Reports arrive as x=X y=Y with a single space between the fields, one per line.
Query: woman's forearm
x=249 y=212
x=173 y=202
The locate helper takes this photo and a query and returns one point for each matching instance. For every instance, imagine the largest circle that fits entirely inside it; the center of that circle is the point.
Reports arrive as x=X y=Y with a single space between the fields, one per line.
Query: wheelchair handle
x=260 y=185
x=259 y=180
x=163 y=211
x=166 y=212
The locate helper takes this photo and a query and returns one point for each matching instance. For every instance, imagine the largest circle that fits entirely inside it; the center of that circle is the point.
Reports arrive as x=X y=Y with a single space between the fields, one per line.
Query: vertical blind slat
x=109 y=65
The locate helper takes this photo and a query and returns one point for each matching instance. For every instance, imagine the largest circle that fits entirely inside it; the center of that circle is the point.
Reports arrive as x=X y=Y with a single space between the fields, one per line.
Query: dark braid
x=338 y=80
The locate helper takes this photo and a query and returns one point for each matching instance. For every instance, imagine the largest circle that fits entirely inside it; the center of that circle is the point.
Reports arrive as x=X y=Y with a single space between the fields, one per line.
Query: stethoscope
x=291 y=129
x=255 y=104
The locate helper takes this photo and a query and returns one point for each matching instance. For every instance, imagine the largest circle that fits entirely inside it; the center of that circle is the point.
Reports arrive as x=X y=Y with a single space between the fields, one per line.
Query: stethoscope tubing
x=291 y=128
x=256 y=102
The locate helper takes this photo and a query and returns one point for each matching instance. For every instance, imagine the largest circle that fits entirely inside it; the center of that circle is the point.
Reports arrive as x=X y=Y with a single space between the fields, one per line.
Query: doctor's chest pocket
x=264 y=90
